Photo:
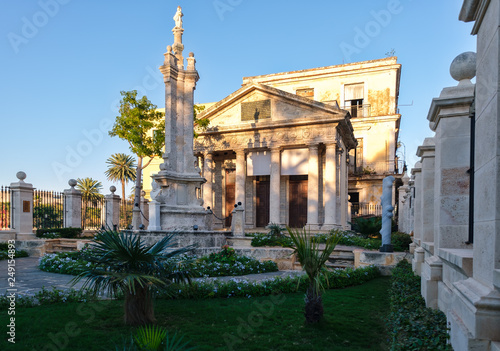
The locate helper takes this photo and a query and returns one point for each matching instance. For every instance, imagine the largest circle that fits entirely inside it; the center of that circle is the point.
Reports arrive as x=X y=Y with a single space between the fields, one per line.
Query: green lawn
x=354 y=320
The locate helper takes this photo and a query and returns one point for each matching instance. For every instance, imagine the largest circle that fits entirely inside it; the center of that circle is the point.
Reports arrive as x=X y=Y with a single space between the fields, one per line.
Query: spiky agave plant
x=312 y=258
x=124 y=264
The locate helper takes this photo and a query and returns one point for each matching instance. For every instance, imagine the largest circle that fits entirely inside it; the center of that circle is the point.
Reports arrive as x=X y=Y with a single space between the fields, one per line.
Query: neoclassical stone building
x=283 y=156
x=293 y=146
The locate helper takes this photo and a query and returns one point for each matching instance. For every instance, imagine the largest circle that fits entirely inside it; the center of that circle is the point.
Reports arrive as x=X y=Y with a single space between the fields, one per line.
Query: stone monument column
x=330 y=186
x=22 y=207
x=274 y=186
x=208 y=170
x=112 y=210
x=312 y=188
x=176 y=188
x=72 y=206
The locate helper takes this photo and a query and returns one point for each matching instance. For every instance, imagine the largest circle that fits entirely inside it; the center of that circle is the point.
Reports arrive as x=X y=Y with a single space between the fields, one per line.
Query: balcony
x=359 y=110
x=377 y=168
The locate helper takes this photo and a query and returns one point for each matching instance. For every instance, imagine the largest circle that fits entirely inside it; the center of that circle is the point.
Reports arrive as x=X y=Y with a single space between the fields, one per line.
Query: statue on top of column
x=178 y=17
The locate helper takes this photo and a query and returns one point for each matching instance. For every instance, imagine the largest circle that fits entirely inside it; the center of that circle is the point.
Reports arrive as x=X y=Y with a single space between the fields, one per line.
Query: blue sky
x=64 y=63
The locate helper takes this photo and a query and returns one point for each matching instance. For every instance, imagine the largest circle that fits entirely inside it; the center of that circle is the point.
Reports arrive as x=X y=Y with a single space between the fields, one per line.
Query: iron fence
x=48 y=209
x=126 y=207
x=364 y=209
x=5 y=212
x=93 y=213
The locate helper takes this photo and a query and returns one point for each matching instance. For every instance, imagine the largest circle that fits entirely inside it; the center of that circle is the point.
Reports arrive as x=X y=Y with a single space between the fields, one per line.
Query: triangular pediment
x=257 y=104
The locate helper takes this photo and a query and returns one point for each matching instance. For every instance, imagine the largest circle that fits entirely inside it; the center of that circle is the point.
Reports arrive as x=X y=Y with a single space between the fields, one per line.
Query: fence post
x=112 y=209
x=238 y=221
x=72 y=206
x=145 y=210
x=22 y=207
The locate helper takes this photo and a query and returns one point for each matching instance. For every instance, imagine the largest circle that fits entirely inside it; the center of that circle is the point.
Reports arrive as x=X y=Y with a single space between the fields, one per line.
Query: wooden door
x=230 y=196
x=262 y=203
x=298 y=203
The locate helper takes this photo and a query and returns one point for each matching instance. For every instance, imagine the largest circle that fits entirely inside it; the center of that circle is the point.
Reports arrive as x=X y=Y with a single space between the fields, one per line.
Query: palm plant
x=122 y=168
x=312 y=258
x=126 y=265
x=90 y=189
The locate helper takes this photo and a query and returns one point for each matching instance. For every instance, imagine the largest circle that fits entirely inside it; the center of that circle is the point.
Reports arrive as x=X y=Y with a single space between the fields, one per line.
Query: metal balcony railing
x=359 y=110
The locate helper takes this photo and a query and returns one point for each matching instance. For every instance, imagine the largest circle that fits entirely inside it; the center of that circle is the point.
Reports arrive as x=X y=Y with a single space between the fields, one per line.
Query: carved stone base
x=185 y=220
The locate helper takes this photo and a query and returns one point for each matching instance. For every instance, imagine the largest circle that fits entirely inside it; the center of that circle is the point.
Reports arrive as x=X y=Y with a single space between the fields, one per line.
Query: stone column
x=112 y=210
x=427 y=153
x=312 y=188
x=240 y=178
x=330 y=187
x=72 y=206
x=419 y=254
x=208 y=170
x=22 y=207
x=343 y=188
x=403 y=205
x=274 y=186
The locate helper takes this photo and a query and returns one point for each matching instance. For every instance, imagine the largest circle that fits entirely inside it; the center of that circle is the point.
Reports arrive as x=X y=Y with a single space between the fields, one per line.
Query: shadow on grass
x=354 y=320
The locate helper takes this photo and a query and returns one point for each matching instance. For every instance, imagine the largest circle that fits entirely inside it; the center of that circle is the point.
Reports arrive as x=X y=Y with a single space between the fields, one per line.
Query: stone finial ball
x=112 y=188
x=463 y=66
x=191 y=54
x=143 y=193
x=72 y=182
x=169 y=49
x=21 y=175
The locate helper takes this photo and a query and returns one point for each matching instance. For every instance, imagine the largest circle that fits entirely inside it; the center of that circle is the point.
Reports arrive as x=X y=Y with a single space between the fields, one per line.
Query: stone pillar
x=427 y=153
x=72 y=206
x=330 y=187
x=154 y=216
x=274 y=186
x=312 y=188
x=419 y=254
x=238 y=221
x=343 y=188
x=22 y=207
x=403 y=205
x=112 y=210
x=208 y=171
x=240 y=178
x=145 y=210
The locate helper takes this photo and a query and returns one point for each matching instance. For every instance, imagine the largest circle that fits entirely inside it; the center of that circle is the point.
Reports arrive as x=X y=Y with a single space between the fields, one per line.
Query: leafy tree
x=200 y=122
x=90 y=189
x=121 y=169
x=312 y=258
x=143 y=127
x=122 y=263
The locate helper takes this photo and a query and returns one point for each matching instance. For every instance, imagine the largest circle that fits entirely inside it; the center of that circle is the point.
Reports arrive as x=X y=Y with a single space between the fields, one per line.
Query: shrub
x=223 y=263
x=412 y=326
x=270 y=240
x=4 y=252
x=210 y=288
x=400 y=241
x=367 y=225
x=53 y=233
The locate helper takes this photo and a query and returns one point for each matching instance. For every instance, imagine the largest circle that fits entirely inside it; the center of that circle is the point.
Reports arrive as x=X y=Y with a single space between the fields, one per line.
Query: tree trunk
x=136 y=212
x=123 y=203
x=138 y=308
x=314 y=306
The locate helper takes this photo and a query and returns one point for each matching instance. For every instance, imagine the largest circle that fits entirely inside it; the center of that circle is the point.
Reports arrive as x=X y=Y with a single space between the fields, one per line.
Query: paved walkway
x=30 y=279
